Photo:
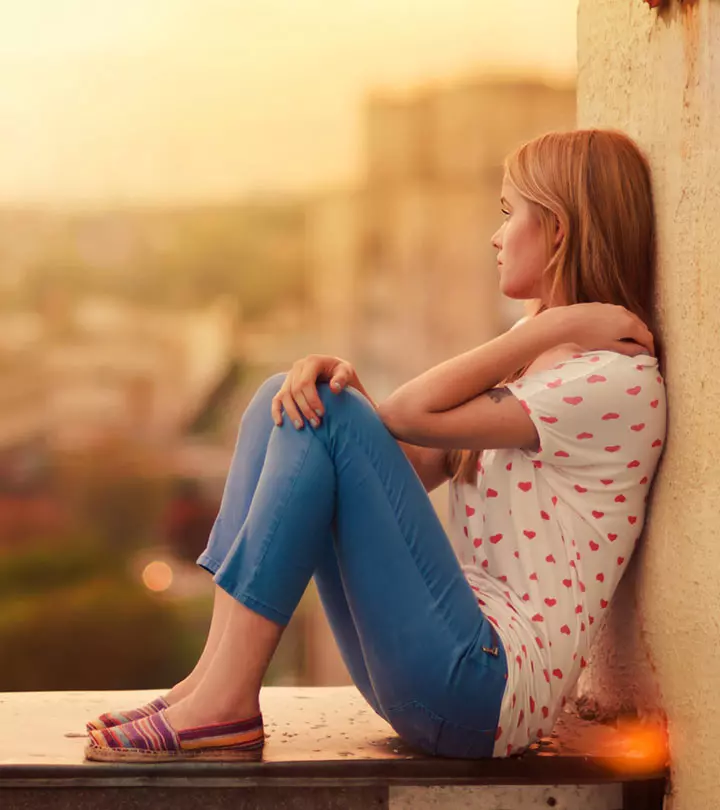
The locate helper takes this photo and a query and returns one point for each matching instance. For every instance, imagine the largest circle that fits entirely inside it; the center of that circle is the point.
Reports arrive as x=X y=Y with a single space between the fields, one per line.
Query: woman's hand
x=299 y=396
x=597 y=327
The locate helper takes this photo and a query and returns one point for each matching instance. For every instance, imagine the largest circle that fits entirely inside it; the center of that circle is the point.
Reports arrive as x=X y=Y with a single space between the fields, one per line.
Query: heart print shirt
x=544 y=536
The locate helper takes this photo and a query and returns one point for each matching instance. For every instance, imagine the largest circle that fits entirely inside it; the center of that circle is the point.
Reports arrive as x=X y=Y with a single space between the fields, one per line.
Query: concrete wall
x=654 y=73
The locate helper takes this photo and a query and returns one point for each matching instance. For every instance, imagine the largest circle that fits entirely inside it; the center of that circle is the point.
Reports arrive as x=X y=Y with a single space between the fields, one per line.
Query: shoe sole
x=136 y=755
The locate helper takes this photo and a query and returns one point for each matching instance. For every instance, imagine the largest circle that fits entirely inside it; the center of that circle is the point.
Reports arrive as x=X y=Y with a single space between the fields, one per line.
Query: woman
x=551 y=434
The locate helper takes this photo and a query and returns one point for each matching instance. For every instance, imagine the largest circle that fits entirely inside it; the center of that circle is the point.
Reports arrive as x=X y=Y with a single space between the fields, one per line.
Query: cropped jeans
x=342 y=503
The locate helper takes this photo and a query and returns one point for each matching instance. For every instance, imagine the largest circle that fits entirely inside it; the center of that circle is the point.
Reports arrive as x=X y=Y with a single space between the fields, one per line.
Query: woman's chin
x=516 y=292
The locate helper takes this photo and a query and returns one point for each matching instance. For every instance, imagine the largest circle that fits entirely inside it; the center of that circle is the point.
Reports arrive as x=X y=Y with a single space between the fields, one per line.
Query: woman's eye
x=507 y=213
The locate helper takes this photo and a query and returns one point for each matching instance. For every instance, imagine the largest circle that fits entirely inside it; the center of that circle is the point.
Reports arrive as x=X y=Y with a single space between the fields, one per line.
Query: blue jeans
x=343 y=504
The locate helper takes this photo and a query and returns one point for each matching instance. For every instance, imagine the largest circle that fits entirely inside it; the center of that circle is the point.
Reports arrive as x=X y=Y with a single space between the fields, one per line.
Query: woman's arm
x=460 y=379
x=455 y=404
x=429 y=464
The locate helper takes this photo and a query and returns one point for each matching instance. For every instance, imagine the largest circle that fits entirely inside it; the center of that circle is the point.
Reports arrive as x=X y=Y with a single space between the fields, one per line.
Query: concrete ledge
x=322 y=739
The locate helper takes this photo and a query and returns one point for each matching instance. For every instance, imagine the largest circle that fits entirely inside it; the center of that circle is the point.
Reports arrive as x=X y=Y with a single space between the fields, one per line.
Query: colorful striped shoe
x=110 y=719
x=152 y=739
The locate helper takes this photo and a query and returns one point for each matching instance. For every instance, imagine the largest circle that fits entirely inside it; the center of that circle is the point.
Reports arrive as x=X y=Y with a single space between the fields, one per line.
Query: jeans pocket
x=417 y=725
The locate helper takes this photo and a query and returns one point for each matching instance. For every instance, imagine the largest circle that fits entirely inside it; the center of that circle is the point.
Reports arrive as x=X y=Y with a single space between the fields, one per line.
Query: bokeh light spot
x=157 y=576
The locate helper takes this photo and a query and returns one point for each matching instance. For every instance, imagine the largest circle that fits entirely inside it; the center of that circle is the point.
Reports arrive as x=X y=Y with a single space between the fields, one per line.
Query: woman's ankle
x=180 y=691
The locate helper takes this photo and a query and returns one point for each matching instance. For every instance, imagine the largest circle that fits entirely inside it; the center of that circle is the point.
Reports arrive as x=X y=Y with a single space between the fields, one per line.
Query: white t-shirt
x=545 y=536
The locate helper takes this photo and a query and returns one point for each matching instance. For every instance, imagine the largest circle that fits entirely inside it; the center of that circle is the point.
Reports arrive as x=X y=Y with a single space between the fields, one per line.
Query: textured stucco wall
x=656 y=75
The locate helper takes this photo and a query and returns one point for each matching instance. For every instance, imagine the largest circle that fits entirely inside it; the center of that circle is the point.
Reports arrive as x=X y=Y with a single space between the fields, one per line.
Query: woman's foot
x=183 y=689
x=152 y=739
x=111 y=719
x=192 y=713
x=178 y=692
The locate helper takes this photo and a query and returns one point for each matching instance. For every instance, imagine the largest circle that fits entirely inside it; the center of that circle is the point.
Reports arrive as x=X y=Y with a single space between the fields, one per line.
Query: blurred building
x=402 y=269
x=76 y=376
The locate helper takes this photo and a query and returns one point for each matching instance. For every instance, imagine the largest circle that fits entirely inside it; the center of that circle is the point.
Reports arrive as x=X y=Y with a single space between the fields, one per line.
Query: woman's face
x=522 y=250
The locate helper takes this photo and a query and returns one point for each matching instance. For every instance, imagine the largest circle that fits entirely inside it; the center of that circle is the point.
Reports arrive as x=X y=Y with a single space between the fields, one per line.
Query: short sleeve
x=583 y=409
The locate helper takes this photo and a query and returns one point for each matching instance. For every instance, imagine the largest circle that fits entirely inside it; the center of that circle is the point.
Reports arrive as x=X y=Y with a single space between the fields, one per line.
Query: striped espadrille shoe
x=153 y=739
x=110 y=719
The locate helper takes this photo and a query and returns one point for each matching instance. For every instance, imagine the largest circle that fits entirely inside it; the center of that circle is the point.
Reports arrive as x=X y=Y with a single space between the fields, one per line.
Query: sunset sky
x=160 y=100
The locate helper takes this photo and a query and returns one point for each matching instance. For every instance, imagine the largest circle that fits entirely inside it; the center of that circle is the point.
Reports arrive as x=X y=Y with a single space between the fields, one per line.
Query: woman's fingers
x=343 y=375
x=292 y=410
x=300 y=400
x=643 y=336
x=629 y=348
x=276 y=408
x=299 y=395
x=307 y=401
x=337 y=383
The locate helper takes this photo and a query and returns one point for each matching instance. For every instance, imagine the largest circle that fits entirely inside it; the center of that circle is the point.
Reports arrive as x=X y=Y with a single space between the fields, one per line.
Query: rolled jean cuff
x=206 y=561
x=255 y=605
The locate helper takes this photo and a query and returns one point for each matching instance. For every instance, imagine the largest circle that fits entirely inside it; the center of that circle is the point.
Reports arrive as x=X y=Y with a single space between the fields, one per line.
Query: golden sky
x=107 y=100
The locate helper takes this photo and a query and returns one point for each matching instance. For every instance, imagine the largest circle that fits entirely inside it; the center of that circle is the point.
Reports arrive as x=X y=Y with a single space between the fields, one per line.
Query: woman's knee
x=259 y=405
x=266 y=391
x=350 y=399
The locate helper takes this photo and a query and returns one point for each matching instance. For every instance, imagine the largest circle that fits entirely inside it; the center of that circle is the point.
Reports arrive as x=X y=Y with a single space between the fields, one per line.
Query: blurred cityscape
x=132 y=338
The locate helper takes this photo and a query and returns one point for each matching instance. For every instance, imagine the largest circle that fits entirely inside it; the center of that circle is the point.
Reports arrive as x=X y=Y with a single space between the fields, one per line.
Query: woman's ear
x=559 y=233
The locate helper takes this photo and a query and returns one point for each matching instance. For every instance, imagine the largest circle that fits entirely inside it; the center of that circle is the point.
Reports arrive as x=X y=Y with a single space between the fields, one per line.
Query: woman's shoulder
x=576 y=361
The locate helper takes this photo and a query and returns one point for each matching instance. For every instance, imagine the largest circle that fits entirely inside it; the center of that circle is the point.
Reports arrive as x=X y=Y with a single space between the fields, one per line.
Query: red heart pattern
x=618 y=428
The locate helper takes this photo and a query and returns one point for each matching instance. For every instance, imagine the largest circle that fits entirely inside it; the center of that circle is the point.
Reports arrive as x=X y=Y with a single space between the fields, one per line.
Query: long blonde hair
x=597 y=183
